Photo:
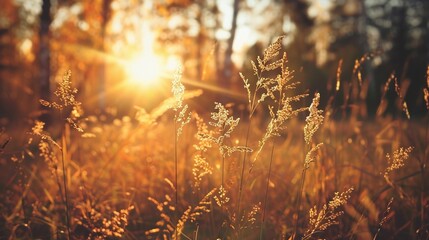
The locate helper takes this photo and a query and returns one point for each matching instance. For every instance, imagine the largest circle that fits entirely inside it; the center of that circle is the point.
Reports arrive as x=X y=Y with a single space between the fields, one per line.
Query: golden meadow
x=273 y=169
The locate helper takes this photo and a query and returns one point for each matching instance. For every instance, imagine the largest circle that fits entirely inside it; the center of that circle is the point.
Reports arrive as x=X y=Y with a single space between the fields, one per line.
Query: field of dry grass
x=274 y=171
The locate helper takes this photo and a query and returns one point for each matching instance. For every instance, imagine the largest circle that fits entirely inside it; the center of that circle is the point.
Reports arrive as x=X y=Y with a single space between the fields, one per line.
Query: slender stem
x=264 y=209
x=243 y=165
x=212 y=219
x=223 y=157
x=175 y=163
x=298 y=201
x=223 y=170
x=271 y=162
x=175 y=170
x=63 y=157
x=60 y=188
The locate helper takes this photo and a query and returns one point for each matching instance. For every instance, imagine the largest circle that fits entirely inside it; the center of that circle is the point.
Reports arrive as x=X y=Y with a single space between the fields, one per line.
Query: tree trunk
x=105 y=16
x=373 y=95
x=228 y=66
x=398 y=54
x=217 y=63
x=44 y=56
x=200 y=44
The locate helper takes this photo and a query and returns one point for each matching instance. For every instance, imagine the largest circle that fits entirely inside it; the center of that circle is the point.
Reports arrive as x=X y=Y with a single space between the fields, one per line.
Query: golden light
x=172 y=63
x=145 y=68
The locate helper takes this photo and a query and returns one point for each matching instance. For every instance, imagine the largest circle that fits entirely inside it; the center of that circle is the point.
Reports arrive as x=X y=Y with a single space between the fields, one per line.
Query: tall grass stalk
x=313 y=122
x=264 y=209
x=223 y=171
x=176 y=187
x=176 y=199
x=256 y=97
x=243 y=166
x=279 y=105
x=63 y=159
x=176 y=162
x=298 y=202
x=66 y=96
x=180 y=117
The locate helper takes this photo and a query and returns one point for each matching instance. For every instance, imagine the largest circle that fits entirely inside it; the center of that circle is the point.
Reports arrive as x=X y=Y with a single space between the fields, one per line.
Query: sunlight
x=145 y=68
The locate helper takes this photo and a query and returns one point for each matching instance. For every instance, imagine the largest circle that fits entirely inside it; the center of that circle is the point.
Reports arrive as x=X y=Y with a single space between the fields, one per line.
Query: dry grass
x=176 y=174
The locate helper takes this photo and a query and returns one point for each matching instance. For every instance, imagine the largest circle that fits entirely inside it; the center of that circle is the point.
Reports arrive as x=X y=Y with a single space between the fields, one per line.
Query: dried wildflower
x=224 y=125
x=270 y=53
x=248 y=219
x=65 y=93
x=182 y=119
x=275 y=88
x=397 y=160
x=170 y=184
x=37 y=130
x=100 y=227
x=222 y=198
x=401 y=98
x=247 y=87
x=320 y=220
x=265 y=86
x=200 y=169
x=386 y=217
x=203 y=206
x=338 y=83
x=165 y=227
x=383 y=103
x=192 y=213
x=311 y=155
x=405 y=110
x=178 y=90
x=222 y=120
x=181 y=224
x=358 y=65
x=202 y=131
x=166 y=208
x=251 y=216
x=73 y=119
x=386 y=213
x=404 y=106
x=278 y=119
x=314 y=119
x=47 y=153
x=66 y=96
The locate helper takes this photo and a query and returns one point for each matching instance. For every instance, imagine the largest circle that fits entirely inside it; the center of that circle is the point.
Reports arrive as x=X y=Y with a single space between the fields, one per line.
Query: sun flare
x=146 y=66
x=144 y=69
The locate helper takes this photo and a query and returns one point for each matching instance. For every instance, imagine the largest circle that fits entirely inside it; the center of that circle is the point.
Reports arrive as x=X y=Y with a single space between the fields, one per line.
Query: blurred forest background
x=107 y=42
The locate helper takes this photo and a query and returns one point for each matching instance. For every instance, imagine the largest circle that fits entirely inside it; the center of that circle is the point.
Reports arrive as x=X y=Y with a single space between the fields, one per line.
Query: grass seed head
x=397 y=159
x=178 y=89
x=313 y=120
